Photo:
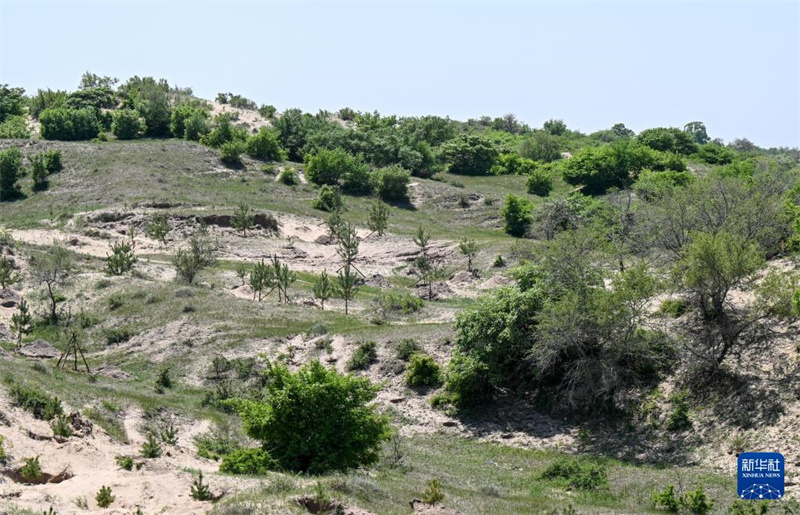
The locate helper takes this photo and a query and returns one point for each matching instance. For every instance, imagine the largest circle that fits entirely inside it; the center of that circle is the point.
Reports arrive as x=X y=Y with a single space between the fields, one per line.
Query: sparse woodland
x=348 y=312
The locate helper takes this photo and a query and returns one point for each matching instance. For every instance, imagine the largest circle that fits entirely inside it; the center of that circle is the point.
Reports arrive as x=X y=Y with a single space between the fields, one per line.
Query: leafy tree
x=469 y=248
x=516 y=212
x=242 y=219
x=669 y=140
x=284 y=278
x=330 y=166
x=329 y=198
x=555 y=127
x=21 y=321
x=316 y=419
x=540 y=182
x=391 y=183
x=52 y=161
x=378 y=217
x=266 y=145
x=127 y=124
x=231 y=152
x=196 y=126
x=470 y=155
x=10 y=171
x=357 y=180
x=151 y=98
x=697 y=131
x=69 y=124
x=540 y=146
x=52 y=269
x=45 y=99
x=293 y=129
x=323 y=288
x=12 y=102
x=92 y=80
x=181 y=113
x=188 y=262
x=512 y=164
x=715 y=154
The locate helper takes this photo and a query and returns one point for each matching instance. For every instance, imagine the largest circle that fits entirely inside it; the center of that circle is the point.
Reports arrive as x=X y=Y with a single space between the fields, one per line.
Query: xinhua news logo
x=761 y=476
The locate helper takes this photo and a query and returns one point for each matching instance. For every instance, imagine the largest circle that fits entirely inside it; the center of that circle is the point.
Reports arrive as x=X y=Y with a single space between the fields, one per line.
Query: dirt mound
x=377 y=280
x=112 y=371
x=439 y=291
x=9 y=298
x=39 y=349
x=422 y=508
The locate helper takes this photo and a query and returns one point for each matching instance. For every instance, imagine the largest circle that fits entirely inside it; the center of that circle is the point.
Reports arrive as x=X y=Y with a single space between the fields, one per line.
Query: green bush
x=715 y=154
x=289 y=177
x=127 y=124
x=316 y=419
x=668 y=140
x=516 y=212
x=180 y=120
x=196 y=126
x=37 y=402
x=540 y=146
x=364 y=356
x=31 y=470
x=216 y=443
x=10 y=171
x=53 y=161
x=467 y=382
x=151 y=448
x=15 y=127
x=38 y=172
x=577 y=474
x=3 y=455
x=357 y=180
x=251 y=462
x=230 y=153
x=399 y=302
x=391 y=183
x=124 y=462
x=224 y=132
x=12 y=102
x=330 y=166
x=470 y=155
x=406 y=348
x=329 y=198
x=69 y=124
x=673 y=307
x=265 y=145
x=104 y=498
x=423 y=371
x=60 y=426
x=678 y=419
x=540 y=182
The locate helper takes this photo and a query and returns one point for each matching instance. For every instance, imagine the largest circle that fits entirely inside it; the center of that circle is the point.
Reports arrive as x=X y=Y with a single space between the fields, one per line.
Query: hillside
x=594 y=317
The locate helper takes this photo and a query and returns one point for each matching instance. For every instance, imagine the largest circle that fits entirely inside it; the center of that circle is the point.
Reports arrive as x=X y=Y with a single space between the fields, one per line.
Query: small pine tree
x=378 y=217
x=433 y=493
x=242 y=272
x=348 y=244
x=158 y=228
x=21 y=321
x=334 y=224
x=7 y=274
x=39 y=171
x=104 y=497
x=348 y=286
x=121 y=259
x=323 y=288
x=262 y=278
x=242 y=219
x=200 y=491
x=285 y=278
x=421 y=239
x=151 y=448
x=469 y=248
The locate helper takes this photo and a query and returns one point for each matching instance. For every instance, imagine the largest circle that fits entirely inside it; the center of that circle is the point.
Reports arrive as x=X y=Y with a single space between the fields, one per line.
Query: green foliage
x=3 y=455
x=540 y=146
x=406 y=348
x=7 y=274
x=267 y=111
x=697 y=501
x=169 y=434
x=678 y=419
x=251 y=462
x=651 y=184
x=10 y=171
x=104 y=498
x=329 y=198
x=15 y=127
x=673 y=308
x=151 y=449
x=163 y=379
x=516 y=212
x=151 y=98
x=324 y=289
x=316 y=419
x=52 y=161
x=31 y=470
x=189 y=262
x=540 y=182
x=38 y=172
x=289 y=177
x=121 y=259
x=200 y=491
x=742 y=507
x=399 y=302
x=216 y=443
x=715 y=154
x=225 y=132
x=38 y=403
x=433 y=494
x=45 y=99
x=231 y=152
x=391 y=183
x=12 y=102
x=423 y=371
x=365 y=355
x=378 y=219
x=469 y=248
x=158 y=227
x=61 y=427
x=555 y=127
x=266 y=145
x=69 y=124
x=127 y=124
x=330 y=166
x=196 y=126
x=470 y=155
x=668 y=140
x=467 y=381
x=242 y=219
x=124 y=462
x=578 y=474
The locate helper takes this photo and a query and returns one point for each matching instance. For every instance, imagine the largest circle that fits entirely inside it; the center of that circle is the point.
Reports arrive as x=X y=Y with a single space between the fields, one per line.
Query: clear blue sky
x=735 y=66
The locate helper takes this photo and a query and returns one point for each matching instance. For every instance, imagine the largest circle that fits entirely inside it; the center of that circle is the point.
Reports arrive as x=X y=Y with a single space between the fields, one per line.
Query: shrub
x=697 y=501
x=715 y=154
x=60 y=426
x=216 y=443
x=423 y=371
x=399 y=302
x=230 y=153
x=124 y=462
x=31 y=470
x=357 y=180
x=432 y=493
x=12 y=102
x=224 y=132
x=52 y=161
x=69 y=124
x=163 y=380
x=330 y=166
x=127 y=124
x=406 y=348
x=516 y=212
x=196 y=126
x=104 y=498
x=470 y=155
x=151 y=448
x=364 y=356
x=540 y=182
x=578 y=474
x=316 y=419
x=38 y=172
x=467 y=382
x=391 y=183
x=265 y=145
x=3 y=456
x=15 y=127
x=540 y=146
x=38 y=403
x=668 y=140
x=121 y=259
x=200 y=491
x=289 y=177
x=10 y=171
x=673 y=307
x=678 y=419
x=252 y=462
x=189 y=262
x=329 y=198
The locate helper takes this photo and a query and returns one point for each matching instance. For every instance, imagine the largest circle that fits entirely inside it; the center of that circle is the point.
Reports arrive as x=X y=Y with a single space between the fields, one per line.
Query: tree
x=38 y=172
x=378 y=217
x=262 y=278
x=69 y=124
x=330 y=166
x=91 y=80
x=15 y=127
x=151 y=98
x=230 y=153
x=555 y=127
x=127 y=124
x=21 y=322
x=242 y=219
x=348 y=244
x=121 y=259
x=284 y=278
x=265 y=145
x=293 y=128
x=188 y=262
x=469 y=248
x=470 y=155
x=540 y=146
x=348 y=286
x=158 y=228
x=316 y=419
x=669 y=140
x=516 y=212
x=188 y=121
x=323 y=289
x=421 y=238
x=540 y=182
x=10 y=170
x=697 y=131
x=12 y=102
x=52 y=269
x=7 y=274
x=391 y=183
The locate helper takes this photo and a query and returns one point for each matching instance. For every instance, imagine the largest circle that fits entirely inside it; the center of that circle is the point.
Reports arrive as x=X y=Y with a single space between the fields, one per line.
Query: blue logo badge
x=760 y=475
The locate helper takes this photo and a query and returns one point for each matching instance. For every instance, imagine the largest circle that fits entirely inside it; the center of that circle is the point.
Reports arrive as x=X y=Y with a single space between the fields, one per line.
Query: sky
x=733 y=65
